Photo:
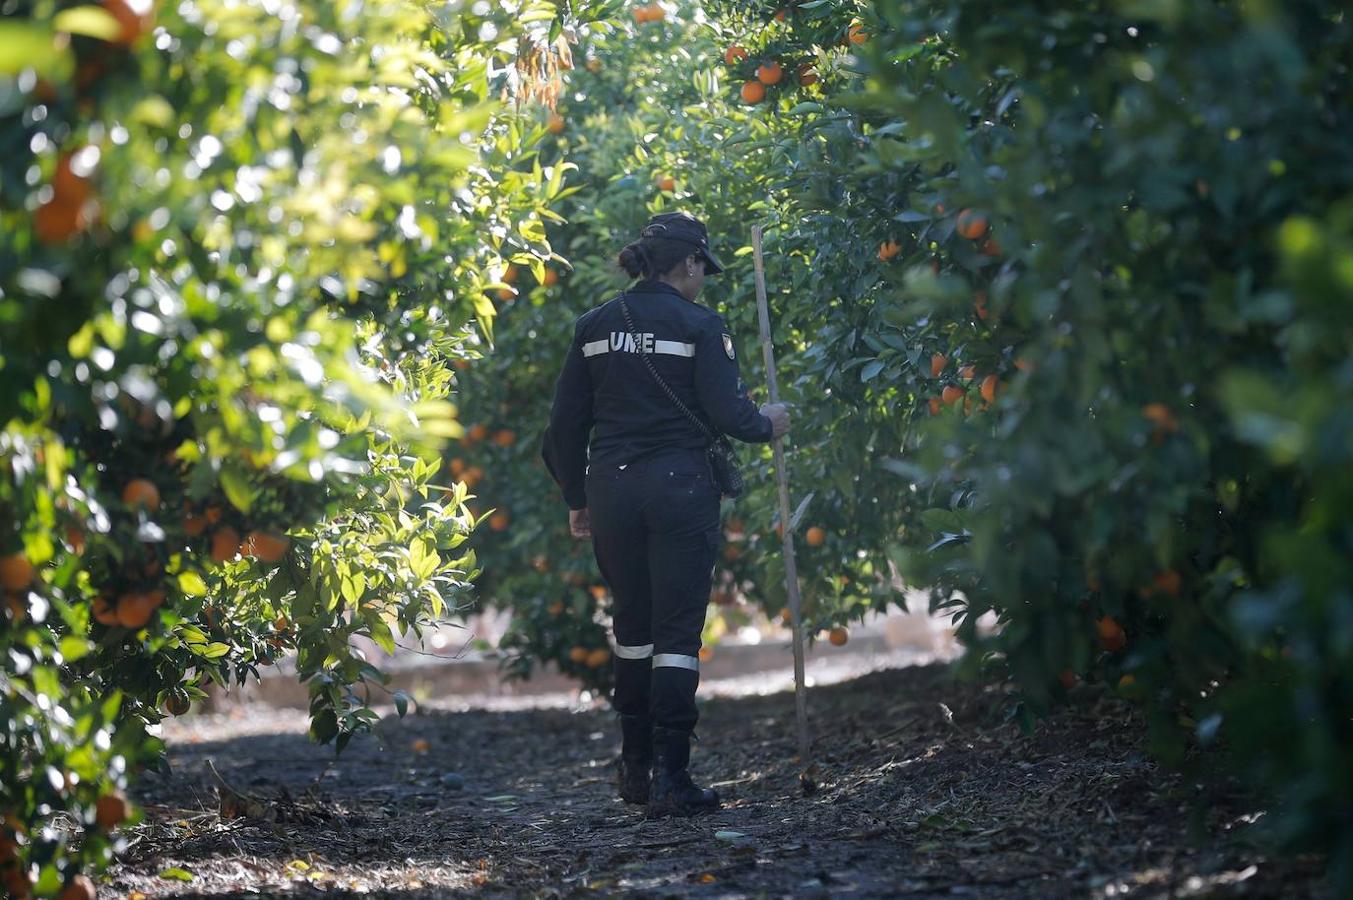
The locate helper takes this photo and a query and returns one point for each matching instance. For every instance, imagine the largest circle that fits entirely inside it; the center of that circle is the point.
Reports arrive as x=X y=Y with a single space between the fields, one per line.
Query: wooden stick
x=787 y=536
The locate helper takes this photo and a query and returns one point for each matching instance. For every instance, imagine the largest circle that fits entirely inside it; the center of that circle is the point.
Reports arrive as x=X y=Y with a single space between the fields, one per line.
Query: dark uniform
x=646 y=480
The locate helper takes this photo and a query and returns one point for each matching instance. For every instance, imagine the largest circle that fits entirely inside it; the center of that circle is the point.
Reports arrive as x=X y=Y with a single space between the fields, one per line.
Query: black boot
x=636 y=758
x=672 y=792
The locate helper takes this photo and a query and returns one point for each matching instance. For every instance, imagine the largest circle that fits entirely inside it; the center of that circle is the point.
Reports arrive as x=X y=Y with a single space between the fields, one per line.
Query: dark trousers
x=655 y=533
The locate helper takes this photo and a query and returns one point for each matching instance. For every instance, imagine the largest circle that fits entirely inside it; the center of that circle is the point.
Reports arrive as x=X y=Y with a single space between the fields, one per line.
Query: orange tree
x=1064 y=348
x=239 y=250
x=1110 y=318
x=628 y=139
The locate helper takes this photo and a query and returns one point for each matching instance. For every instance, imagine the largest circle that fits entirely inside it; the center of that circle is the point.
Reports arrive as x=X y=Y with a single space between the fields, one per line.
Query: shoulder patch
x=728 y=345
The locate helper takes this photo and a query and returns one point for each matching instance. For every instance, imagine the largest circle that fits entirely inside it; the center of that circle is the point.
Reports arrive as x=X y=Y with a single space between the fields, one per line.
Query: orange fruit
x=457 y=467
x=706 y=654
x=753 y=92
x=989 y=388
x=177 y=705
x=67 y=187
x=666 y=183
x=1159 y=414
x=594 y=65
x=556 y=124
x=721 y=598
x=556 y=608
x=499 y=521
x=838 y=636
x=578 y=654
x=641 y=14
x=598 y=658
x=815 y=537
x=505 y=438
x=1127 y=681
x=225 y=544
x=934 y=406
x=476 y=433
x=1024 y=364
x=141 y=492
x=971 y=225
x=781 y=14
x=598 y=591
x=540 y=564
x=104 y=613
x=506 y=295
x=769 y=73
x=18 y=607
x=75 y=539
x=1067 y=678
x=421 y=745
x=856 y=34
x=56 y=222
x=132 y=23
x=1168 y=582
x=734 y=55
x=951 y=394
x=990 y=247
x=967 y=373
x=193 y=524
x=16 y=572
x=888 y=249
x=937 y=363
x=473 y=476
x=979 y=302
x=1111 y=635
x=656 y=13
x=509 y=274
x=551 y=277
x=212 y=514
x=732 y=552
x=15 y=879
x=111 y=810
x=135 y=609
x=268 y=546
x=807 y=74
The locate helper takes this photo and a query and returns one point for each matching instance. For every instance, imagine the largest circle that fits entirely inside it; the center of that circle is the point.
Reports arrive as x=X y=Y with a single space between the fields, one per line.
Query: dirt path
x=925 y=793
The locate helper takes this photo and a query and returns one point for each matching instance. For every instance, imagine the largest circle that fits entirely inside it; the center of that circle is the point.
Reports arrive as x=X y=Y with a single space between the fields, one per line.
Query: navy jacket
x=607 y=392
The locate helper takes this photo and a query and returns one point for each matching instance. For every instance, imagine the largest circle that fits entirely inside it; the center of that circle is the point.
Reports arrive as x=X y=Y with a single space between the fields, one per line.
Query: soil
x=923 y=790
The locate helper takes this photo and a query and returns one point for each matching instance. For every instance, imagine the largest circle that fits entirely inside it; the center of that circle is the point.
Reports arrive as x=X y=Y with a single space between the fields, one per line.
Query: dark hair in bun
x=652 y=256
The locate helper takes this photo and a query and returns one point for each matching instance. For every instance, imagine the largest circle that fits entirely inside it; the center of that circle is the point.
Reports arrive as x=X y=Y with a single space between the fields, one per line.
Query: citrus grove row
x=1063 y=348
x=284 y=293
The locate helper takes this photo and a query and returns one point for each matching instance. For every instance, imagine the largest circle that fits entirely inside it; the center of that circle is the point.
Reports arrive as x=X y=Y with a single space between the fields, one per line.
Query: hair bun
x=631 y=260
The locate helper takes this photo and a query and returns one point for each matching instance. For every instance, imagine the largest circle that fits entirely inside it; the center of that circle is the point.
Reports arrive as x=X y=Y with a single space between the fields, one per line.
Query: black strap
x=671 y=395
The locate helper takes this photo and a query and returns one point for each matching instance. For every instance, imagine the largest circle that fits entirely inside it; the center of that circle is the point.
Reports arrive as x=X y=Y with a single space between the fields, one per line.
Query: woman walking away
x=650 y=378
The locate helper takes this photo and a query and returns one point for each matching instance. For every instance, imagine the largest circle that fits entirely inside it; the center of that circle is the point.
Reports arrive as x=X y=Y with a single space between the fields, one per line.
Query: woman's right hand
x=778 y=414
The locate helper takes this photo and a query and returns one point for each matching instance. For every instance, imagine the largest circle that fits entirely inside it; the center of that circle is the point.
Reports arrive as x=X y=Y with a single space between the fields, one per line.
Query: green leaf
x=237 y=490
x=192 y=584
x=73 y=648
x=214 y=650
x=324 y=726
x=90 y=21
x=174 y=873
x=24 y=46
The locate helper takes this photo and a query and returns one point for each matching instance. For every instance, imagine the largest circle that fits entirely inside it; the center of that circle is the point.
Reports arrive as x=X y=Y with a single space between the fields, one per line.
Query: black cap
x=682 y=226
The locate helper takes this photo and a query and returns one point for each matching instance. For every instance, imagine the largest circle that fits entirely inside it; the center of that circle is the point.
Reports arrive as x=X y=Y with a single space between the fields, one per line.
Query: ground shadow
x=924 y=790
